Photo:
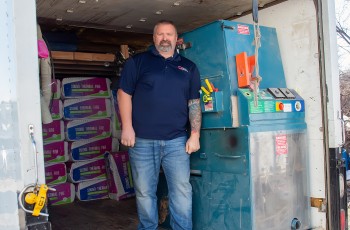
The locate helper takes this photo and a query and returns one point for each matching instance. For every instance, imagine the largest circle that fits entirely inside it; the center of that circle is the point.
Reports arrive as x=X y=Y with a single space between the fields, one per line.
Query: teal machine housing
x=250 y=170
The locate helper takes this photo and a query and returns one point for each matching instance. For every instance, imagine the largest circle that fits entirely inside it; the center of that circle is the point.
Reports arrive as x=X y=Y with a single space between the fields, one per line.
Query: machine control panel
x=274 y=100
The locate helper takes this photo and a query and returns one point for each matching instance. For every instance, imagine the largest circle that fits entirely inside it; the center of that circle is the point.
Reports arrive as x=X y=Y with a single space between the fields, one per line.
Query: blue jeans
x=146 y=157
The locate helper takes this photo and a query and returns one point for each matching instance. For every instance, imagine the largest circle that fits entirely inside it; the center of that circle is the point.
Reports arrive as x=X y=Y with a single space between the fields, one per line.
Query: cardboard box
x=87 y=108
x=56 y=89
x=120 y=183
x=53 y=131
x=91 y=87
x=64 y=194
x=92 y=149
x=87 y=170
x=56 y=109
x=92 y=190
x=76 y=130
x=55 y=173
x=56 y=152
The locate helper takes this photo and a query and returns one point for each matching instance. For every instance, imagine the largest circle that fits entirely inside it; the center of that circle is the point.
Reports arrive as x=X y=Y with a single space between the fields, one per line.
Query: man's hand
x=192 y=144
x=128 y=137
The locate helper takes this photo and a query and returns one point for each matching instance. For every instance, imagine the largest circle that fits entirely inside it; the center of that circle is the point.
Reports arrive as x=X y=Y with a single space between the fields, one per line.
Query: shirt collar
x=175 y=57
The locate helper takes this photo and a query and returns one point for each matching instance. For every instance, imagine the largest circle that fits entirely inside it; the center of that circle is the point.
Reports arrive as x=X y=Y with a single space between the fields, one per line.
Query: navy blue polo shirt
x=160 y=90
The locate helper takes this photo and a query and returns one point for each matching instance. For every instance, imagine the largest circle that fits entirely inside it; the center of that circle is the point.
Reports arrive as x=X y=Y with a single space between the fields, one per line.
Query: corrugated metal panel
x=9 y=137
x=187 y=14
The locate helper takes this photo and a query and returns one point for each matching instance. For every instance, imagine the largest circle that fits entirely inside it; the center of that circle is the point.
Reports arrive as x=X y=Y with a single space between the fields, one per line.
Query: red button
x=281 y=106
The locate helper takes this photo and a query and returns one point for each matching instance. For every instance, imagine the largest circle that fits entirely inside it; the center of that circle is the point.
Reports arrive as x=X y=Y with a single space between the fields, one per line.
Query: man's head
x=165 y=37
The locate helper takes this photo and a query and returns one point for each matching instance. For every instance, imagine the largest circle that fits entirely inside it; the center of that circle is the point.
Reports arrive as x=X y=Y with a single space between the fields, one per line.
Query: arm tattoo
x=195 y=115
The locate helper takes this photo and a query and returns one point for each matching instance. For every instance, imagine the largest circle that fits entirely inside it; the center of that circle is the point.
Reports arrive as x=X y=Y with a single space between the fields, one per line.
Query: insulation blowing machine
x=250 y=172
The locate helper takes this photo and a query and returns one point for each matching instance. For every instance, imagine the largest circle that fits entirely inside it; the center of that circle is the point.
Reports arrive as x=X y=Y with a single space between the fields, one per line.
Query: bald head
x=165 y=37
x=164 y=22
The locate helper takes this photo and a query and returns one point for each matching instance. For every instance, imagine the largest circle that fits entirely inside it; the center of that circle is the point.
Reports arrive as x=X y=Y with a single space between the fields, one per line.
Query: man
x=158 y=95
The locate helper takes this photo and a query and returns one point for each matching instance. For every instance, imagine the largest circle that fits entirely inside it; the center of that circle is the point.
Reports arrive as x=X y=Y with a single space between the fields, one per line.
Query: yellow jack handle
x=37 y=199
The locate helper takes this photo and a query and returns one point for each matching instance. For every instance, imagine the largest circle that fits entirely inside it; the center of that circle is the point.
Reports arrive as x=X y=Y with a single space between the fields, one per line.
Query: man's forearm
x=125 y=108
x=195 y=115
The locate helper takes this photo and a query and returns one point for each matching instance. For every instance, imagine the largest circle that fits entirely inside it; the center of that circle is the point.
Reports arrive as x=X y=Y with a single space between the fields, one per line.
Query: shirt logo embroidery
x=182 y=68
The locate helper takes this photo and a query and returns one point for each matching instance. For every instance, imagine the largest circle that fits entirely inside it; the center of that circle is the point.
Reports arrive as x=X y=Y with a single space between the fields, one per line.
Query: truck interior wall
x=102 y=213
x=296 y=25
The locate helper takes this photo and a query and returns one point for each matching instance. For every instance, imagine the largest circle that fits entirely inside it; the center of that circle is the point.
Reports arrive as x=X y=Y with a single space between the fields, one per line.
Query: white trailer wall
x=296 y=25
x=19 y=107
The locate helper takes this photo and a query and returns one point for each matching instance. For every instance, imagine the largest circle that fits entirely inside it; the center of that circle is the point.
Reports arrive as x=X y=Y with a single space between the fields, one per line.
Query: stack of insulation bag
x=79 y=147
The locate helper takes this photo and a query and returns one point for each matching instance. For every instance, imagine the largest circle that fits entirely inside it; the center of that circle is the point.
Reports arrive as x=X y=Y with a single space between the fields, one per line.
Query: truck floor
x=95 y=215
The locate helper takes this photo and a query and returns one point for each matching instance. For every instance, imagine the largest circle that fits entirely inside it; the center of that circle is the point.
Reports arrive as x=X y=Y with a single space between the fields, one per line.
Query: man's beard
x=165 y=46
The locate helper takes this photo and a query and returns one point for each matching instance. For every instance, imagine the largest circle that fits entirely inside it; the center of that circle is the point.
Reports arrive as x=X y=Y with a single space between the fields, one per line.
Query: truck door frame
x=19 y=65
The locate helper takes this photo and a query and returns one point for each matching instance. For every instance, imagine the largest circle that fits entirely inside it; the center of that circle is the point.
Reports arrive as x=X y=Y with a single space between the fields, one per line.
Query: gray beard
x=164 y=48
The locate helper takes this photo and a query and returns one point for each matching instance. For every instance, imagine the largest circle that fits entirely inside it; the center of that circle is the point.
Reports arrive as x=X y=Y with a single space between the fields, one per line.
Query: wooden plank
x=103 y=57
x=79 y=56
x=60 y=55
x=83 y=67
x=82 y=56
x=82 y=72
x=73 y=62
